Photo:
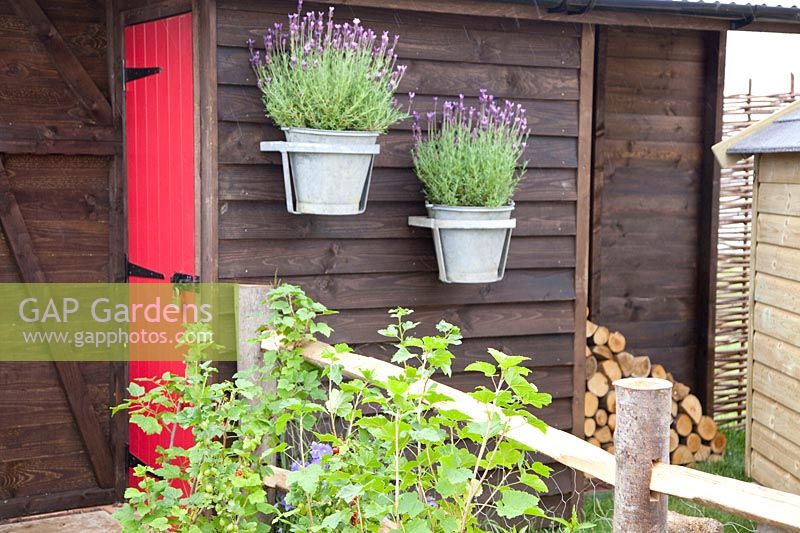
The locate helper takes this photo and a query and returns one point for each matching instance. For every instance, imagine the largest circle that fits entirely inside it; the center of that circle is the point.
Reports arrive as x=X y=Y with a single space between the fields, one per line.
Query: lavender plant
x=316 y=73
x=473 y=155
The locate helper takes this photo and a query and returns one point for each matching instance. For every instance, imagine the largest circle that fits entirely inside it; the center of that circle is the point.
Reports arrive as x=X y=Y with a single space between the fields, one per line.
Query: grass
x=599 y=508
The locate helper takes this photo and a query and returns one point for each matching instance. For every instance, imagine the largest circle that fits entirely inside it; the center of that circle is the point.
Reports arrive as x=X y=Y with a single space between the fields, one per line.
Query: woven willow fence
x=733 y=257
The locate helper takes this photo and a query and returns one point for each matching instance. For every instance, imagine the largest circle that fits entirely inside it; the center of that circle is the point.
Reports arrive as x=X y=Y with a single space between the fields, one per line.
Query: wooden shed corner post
x=640 y=440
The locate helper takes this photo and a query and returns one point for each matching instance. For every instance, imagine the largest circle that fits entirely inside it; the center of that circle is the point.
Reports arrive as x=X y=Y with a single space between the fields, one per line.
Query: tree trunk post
x=640 y=440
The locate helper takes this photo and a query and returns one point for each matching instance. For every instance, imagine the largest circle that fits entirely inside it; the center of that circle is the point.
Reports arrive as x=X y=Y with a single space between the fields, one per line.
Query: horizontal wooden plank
x=440 y=77
x=777 y=354
x=780 y=451
x=777 y=292
x=631 y=201
x=665 y=179
x=654 y=102
x=661 y=74
x=650 y=279
x=655 y=43
x=777 y=323
x=543 y=350
x=780 y=230
x=639 y=228
x=778 y=261
x=22 y=376
x=57 y=501
x=771 y=475
x=239 y=144
x=782 y=420
x=260 y=258
x=258 y=220
x=665 y=128
x=362 y=291
x=441 y=43
x=47 y=405
x=265 y=182
x=620 y=309
x=678 y=155
x=545 y=117
x=411 y=15
x=779 y=198
x=357 y=326
x=620 y=256
x=647 y=334
x=38 y=476
x=778 y=168
x=777 y=386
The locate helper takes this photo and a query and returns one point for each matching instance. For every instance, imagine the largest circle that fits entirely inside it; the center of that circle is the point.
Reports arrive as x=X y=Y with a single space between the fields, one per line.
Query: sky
x=767 y=58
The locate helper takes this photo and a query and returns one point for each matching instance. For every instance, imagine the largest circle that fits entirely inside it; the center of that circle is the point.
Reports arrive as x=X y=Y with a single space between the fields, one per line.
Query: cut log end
x=683 y=425
x=590 y=404
x=718 y=443
x=691 y=406
x=681 y=456
x=707 y=428
x=600 y=336
x=616 y=341
x=598 y=384
x=641 y=367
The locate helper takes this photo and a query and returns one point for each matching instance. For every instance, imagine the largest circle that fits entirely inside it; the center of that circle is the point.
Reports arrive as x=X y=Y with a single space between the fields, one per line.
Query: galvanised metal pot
x=471 y=242
x=326 y=172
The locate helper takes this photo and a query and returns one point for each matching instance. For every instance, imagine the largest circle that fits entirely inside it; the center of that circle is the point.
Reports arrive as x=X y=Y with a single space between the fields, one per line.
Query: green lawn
x=599 y=508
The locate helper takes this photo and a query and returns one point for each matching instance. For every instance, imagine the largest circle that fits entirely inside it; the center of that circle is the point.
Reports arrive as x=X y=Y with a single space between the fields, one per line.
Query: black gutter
x=737 y=14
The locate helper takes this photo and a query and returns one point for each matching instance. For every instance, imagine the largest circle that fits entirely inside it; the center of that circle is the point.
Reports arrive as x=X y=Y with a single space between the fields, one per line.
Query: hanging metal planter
x=326 y=172
x=471 y=242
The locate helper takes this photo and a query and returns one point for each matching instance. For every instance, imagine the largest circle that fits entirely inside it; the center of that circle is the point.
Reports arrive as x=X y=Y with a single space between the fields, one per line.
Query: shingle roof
x=783 y=135
x=779 y=132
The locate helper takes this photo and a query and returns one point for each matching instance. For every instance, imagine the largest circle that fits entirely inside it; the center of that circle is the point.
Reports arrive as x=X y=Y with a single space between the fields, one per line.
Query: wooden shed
x=773 y=382
x=618 y=211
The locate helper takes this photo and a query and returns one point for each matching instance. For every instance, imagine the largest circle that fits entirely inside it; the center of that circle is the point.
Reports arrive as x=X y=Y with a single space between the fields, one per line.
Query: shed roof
x=780 y=132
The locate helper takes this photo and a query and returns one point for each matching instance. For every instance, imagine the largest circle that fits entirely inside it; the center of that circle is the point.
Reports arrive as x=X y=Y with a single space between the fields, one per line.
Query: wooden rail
x=761 y=504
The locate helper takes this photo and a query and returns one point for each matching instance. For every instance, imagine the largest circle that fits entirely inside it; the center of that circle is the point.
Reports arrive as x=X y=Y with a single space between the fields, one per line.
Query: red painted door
x=159 y=114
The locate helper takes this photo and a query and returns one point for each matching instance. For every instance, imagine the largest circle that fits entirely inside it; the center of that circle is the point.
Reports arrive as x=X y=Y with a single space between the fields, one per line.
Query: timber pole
x=640 y=440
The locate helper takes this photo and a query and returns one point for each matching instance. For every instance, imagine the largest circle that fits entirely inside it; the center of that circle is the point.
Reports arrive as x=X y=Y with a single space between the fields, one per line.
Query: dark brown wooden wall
x=363 y=265
x=55 y=158
x=647 y=206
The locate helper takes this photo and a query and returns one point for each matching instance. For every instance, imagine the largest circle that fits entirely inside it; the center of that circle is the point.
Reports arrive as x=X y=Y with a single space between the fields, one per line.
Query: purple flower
x=318 y=451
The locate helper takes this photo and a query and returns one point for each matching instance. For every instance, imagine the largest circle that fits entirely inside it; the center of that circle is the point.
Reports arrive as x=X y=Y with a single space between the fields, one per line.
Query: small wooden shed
x=773 y=385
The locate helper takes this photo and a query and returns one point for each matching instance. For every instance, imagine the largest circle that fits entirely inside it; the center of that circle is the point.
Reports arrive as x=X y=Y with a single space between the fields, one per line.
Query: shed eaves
x=783 y=135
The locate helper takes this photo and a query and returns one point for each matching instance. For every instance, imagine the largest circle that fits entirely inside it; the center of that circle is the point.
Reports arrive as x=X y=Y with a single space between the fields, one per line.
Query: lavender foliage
x=317 y=73
x=471 y=155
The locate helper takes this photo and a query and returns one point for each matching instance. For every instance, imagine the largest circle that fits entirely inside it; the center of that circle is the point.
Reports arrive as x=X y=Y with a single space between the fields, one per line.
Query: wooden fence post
x=640 y=440
x=250 y=314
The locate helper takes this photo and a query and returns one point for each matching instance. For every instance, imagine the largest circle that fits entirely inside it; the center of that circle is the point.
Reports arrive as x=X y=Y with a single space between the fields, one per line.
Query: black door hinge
x=139 y=271
x=134 y=73
x=180 y=277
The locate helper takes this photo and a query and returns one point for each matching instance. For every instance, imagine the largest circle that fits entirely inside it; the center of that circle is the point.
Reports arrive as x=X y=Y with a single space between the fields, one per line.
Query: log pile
x=693 y=436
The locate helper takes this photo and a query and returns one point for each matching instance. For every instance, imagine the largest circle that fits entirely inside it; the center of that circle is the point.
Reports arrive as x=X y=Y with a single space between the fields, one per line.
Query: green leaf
x=488 y=369
x=135 y=390
x=306 y=478
x=332 y=521
x=148 y=424
x=533 y=481
x=506 y=361
x=428 y=434
x=410 y=504
x=349 y=492
x=418 y=525
x=516 y=503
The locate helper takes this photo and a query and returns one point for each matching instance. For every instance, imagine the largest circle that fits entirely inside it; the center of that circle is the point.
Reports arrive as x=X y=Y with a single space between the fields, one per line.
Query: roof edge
x=721 y=148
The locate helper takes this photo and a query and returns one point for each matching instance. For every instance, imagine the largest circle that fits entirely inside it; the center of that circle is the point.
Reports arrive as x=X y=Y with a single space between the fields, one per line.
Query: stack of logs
x=693 y=436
